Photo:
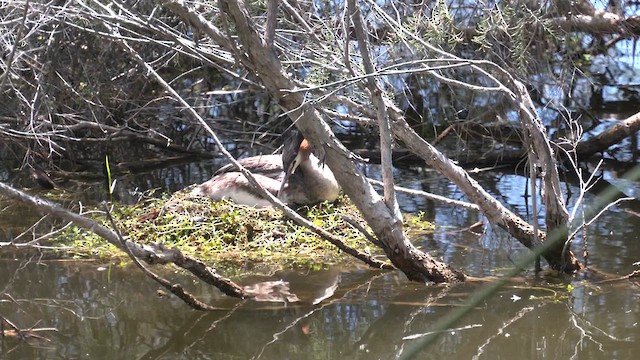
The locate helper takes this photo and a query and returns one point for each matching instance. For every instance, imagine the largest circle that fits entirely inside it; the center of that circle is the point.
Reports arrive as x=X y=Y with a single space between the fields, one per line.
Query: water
x=118 y=315
x=103 y=311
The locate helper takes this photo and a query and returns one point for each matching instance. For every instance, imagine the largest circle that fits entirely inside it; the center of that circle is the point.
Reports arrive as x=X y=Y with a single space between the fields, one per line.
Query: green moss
x=77 y=243
x=226 y=233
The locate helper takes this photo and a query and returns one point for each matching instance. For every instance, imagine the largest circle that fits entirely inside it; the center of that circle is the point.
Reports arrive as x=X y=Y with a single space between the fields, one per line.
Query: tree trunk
x=490 y=207
x=417 y=266
x=541 y=155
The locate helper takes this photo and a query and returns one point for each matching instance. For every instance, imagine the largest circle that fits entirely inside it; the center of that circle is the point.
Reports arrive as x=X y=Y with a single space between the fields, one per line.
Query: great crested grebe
x=295 y=177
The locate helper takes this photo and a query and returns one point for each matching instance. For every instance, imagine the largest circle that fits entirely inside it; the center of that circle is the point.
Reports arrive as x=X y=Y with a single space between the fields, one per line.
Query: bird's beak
x=290 y=170
x=283 y=183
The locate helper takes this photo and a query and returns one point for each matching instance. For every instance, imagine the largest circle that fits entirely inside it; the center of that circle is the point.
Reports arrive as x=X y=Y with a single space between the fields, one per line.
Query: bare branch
x=379 y=102
x=151 y=253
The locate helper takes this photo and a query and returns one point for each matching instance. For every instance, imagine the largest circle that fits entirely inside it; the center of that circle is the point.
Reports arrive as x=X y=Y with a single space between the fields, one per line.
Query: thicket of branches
x=81 y=75
x=66 y=79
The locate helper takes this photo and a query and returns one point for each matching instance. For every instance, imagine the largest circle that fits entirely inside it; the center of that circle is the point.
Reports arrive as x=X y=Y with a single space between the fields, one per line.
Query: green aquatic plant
x=224 y=232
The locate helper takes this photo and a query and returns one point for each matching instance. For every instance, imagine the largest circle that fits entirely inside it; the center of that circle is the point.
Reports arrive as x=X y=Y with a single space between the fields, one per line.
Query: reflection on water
x=117 y=314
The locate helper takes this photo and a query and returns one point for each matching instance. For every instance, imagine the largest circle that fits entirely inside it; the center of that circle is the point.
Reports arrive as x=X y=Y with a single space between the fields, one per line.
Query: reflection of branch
x=586 y=334
x=415 y=336
x=516 y=317
x=397 y=318
x=190 y=333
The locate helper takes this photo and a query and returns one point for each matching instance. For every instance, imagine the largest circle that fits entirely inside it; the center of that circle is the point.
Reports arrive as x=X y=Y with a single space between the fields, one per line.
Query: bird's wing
x=267 y=165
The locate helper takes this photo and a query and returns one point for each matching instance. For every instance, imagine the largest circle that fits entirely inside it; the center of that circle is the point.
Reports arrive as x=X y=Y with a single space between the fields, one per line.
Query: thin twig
x=430 y=196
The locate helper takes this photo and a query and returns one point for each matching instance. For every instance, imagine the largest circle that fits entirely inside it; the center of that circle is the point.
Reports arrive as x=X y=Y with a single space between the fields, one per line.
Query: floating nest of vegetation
x=223 y=232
